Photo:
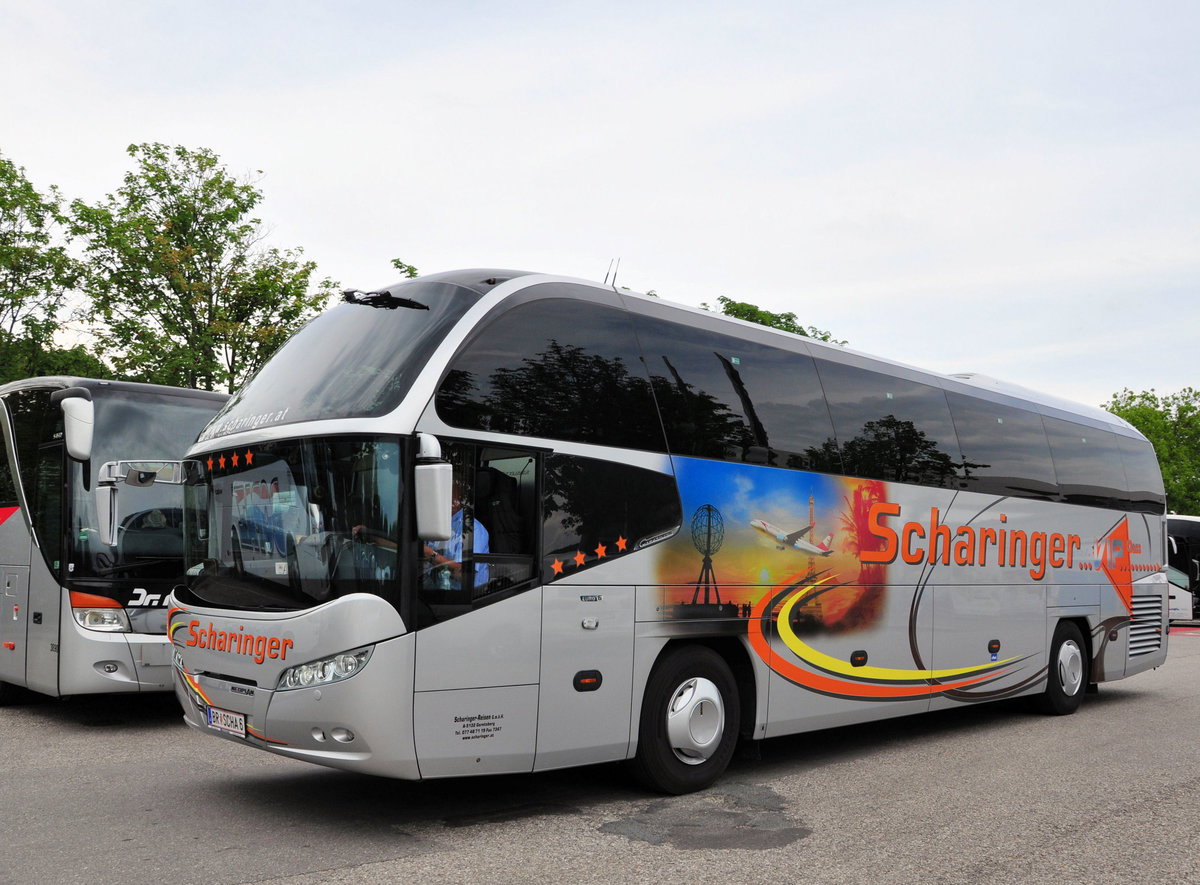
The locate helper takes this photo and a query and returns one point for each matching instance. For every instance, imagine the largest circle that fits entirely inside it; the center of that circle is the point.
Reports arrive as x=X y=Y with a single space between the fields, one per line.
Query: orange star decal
x=221 y=462
x=210 y=462
x=579 y=557
x=621 y=542
x=601 y=550
x=234 y=459
x=249 y=458
x=558 y=566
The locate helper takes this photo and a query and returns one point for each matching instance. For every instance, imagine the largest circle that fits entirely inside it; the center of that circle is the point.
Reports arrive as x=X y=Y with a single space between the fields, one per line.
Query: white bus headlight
x=334 y=668
x=99 y=613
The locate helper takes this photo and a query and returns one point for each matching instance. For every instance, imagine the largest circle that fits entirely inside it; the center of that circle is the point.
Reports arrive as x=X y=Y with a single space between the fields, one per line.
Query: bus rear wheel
x=689 y=724
x=1067 y=678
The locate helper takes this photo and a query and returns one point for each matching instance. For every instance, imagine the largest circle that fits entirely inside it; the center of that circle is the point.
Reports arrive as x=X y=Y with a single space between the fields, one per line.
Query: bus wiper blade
x=135 y=565
x=381 y=298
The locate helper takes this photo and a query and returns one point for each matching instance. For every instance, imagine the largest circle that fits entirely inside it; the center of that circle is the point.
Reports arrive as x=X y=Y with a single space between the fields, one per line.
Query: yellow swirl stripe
x=830 y=664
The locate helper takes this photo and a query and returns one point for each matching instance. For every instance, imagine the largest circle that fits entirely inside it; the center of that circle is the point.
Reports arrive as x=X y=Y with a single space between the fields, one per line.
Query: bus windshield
x=288 y=523
x=150 y=537
x=356 y=360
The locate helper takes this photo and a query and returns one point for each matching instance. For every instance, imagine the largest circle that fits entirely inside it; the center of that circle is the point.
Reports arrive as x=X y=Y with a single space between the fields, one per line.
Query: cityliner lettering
x=260 y=648
x=935 y=542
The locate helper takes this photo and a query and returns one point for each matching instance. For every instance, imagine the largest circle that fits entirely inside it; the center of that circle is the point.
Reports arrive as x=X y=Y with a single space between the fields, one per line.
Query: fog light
x=342 y=735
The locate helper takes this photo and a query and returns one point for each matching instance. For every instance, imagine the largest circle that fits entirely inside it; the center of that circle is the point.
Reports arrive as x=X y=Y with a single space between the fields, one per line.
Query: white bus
x=84 y=598
x=506 y=522
x=1183 y=561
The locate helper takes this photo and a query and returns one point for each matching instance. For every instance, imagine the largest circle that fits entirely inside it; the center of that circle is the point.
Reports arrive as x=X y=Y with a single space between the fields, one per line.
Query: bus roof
x=99 y=384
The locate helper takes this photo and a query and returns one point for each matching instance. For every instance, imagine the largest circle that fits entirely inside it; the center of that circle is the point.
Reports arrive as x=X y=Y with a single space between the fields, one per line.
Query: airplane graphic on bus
x=795 y=539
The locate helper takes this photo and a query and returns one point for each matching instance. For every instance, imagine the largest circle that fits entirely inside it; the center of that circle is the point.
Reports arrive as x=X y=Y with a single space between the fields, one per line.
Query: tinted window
x=34 y=421
x=493 y=522
x=1142 y=475
x=890 y=428
x=48 y=506
x=597 y=510
x=37 y=429
x=353 y=360
x=724 y=397
x=1004 y=449
x=8 y=484
x=1087 y=462
x=556 y=368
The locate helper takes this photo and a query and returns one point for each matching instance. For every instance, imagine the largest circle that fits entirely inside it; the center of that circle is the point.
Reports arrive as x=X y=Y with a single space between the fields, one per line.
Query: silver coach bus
x=84 y=598
x=490 y=521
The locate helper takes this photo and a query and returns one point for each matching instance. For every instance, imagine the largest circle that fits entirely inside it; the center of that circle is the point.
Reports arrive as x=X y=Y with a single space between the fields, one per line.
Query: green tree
x=752 y=313
x=36 y=272
x=1172 y=424
x=183 y=291
x=409 y=272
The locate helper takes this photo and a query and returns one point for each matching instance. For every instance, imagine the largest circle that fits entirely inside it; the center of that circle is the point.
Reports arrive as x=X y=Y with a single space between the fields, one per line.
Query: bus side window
x=891 y=428
x=735 y=399
x=597 y=510
x=1005 y=450
x=8 y=486
x=1088 y=464
x=1142 y=475
x=490 y=555
x=561 y=368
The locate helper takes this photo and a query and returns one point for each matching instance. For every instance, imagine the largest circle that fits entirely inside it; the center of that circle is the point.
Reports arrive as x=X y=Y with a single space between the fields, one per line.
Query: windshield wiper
x=381 y=298
x=135 y=565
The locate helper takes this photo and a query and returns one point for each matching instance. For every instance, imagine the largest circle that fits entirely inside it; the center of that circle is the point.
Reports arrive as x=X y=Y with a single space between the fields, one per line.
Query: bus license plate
x=224 y=720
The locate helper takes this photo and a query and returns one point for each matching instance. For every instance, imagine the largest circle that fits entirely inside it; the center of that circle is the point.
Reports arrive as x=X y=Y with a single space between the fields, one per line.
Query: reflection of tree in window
x=895 y=450
x=697 y=423
x=458 y=400
x=826 y=457
x=736 y=399
x=589 y=502
x=564 y=392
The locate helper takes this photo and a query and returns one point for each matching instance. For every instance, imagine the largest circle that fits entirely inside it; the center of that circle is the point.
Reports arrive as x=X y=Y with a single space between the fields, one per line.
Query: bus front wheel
x=1067 y=678
x=689 y=724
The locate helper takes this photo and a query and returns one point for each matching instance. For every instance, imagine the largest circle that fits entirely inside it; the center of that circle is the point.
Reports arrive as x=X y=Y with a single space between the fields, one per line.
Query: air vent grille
x=1146 y=631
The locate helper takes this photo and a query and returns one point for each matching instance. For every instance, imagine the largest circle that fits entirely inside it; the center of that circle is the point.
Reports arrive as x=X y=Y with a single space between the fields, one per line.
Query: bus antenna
x=613 y=267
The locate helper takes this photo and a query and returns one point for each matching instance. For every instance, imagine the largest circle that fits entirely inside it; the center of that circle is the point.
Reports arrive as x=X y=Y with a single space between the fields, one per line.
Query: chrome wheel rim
x=695 y=720
x=1070 y=668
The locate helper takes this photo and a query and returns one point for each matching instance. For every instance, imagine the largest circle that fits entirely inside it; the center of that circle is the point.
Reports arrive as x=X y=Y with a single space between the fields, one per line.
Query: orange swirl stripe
x=871 y=683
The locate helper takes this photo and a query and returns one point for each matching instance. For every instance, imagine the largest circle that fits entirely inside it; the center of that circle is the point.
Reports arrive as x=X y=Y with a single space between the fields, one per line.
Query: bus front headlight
x=99 y=613
x=334 y=668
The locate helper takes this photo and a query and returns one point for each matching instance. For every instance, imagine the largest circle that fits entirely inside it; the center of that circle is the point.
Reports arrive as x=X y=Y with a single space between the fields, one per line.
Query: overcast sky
x=1010 y=188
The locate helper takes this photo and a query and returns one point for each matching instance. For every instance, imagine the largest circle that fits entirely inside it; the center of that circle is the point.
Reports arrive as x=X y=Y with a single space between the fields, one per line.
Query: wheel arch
x=1089 y=640
x=736 y=656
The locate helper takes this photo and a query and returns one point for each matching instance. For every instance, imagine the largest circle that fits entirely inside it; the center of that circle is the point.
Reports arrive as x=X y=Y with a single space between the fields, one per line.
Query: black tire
x=1067 y=672
x=8 y=694
x=687 y=750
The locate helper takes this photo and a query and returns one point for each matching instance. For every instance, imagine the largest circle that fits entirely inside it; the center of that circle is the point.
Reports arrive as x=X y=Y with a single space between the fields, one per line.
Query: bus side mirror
x=79 y=419
x=432 y=484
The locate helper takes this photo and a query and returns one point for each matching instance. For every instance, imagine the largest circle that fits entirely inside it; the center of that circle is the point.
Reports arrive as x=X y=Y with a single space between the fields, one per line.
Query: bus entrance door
x=14 y=618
